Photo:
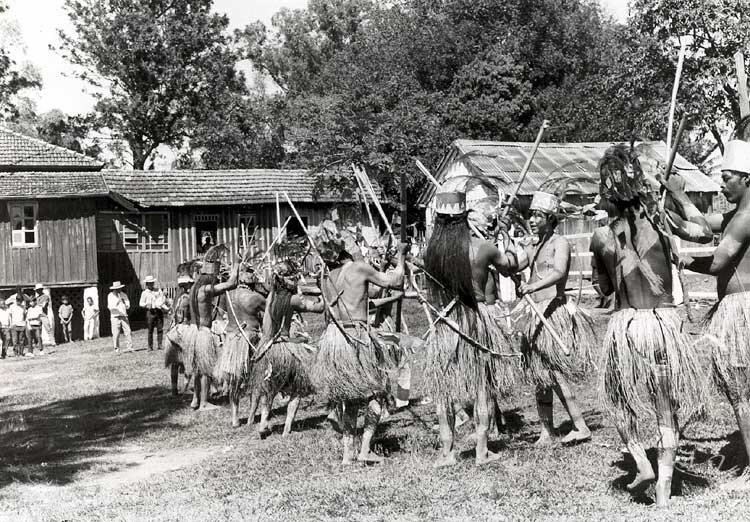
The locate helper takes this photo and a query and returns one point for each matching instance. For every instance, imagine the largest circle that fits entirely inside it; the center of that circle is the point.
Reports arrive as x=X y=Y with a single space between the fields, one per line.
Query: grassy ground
x=88 y=435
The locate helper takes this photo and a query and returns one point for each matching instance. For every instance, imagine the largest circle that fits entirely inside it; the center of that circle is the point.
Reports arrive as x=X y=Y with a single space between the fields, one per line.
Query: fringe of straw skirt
x=639 y=346
x=235 y=362
x=200 y=350
x=285 y=367
x=173 y=343
x=346 y=370
x=728 y=335
x=540 y=353
x=456 y=370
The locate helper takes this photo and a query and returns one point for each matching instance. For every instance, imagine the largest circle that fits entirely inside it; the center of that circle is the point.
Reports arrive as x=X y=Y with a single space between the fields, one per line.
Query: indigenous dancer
x=649 y=364
x=544 y=363
x=464 y=358
x=201 y=348
x=175 y=335
x=729 y=329
x=245 y=307
x=350 y=367
x=285 y=358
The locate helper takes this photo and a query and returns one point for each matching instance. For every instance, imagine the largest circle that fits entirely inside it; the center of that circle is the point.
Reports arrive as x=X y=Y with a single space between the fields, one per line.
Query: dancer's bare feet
x=663 y=492
x=195 y=404
x=207 y=406
x=641 y=478
x=577 y=436
x=235 y=423
x=446 y=460
x=370 y=457
x=741 y=483
x=486 y=459
x=545 y=439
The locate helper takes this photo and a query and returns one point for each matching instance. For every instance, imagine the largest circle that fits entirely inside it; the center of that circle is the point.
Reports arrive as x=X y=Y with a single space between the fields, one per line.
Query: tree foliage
x=12 y=80
x=166 y=65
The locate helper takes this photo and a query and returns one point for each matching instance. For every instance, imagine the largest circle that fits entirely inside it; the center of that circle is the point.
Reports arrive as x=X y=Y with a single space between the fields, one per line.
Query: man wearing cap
x=154 y=301
x=544 y=363
x=650 y=366
x=468 y=356
x=118 y=305
x=728 y=332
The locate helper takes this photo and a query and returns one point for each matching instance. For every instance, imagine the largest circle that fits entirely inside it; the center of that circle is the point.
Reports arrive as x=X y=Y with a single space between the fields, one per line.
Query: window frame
x=23 y=204
x=249 y=217
x=143 y=233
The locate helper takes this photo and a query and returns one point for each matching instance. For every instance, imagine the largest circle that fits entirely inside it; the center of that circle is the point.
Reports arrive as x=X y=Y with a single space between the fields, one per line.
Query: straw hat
x=39 y=286
x=116 y=285
x=184 y=279
x=149 y=279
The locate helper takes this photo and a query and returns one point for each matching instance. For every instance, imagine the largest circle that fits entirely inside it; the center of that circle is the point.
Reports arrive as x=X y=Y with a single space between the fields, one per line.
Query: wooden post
x=739 y=64
x=403 y=240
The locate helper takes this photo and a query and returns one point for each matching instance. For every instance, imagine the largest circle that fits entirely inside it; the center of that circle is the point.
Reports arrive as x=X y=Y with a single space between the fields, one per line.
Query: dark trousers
x=155 y=320
x=5 y=339
x=35 y=338
x=18 y=335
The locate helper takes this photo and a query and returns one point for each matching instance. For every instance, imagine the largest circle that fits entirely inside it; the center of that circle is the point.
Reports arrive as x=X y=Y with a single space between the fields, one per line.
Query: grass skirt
x=455 y=370
x=284 y=368
x=540 y=353
x=636 y=343
x=173 y=344
x=235 y=361
x=728 y=335
x=200 y=350
x=351 y=372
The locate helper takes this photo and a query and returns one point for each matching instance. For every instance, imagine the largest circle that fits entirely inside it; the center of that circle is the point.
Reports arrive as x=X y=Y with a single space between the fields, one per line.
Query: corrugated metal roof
x=221 y=187
x=23 y=153
x=503 y=162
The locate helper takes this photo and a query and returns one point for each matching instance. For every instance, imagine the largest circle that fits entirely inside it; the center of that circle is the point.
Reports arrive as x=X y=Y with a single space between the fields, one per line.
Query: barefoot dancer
x=649 y=363
x=350 y=367
x=201 y=348
x=174 y=339
x=244 y=307
x=729 y=330
x=544 y=363
x=457 y=365
x=285 y=360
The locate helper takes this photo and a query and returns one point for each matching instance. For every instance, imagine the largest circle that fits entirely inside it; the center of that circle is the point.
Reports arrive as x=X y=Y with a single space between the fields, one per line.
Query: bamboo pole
x=673 y=101
x=525 y=169
x=739 y=64
x=368 y=186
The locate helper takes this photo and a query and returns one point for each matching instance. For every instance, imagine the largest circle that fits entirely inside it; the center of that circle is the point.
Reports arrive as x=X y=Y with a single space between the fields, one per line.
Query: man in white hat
x=155 y=303
x=48 y=317
x=729 y=330
x=119 y=304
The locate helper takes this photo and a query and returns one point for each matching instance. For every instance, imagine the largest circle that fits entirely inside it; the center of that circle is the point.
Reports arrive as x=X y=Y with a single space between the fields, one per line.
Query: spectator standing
x=34 y=323
x=155 y=303
x=4 y=327
x=48 y=319
x=90 y=315
x=17 y=311
x=65 y=313
x=119 y=304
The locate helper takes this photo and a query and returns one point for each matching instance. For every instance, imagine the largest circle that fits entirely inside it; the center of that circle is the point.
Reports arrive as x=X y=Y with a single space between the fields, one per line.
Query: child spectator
x=17 y=311
x=65 y=312
x=4 y=327
x=90 y=315
x=34 y=323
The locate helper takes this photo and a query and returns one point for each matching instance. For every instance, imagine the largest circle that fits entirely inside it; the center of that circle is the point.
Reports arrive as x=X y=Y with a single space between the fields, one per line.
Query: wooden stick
x=427 y=174
x=673 y=102
x=739 y=64
x=367 y=204
x=525 y=169
x=366 y=182
x=278 y=236
x=673 y=152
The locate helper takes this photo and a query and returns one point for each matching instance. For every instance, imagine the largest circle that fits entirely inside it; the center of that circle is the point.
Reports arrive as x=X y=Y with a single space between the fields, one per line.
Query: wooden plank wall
x=66 y=254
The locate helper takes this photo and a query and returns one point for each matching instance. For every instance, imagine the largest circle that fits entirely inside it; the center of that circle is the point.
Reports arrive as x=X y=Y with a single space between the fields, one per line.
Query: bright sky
x=39 y=20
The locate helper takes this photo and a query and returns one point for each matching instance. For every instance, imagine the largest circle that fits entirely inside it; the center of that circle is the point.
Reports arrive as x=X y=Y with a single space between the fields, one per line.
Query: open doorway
x=206 y=232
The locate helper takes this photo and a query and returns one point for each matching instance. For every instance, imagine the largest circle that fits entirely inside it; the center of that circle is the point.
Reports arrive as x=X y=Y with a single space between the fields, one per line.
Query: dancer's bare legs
x=265 y=411
x=234 y=403
x=446 y=420
x=628 y=430
x=349 y=429
x=544 y=396
x=372 y=418
x=482 y=409
x=580 y=431
x=668 y=437
x=291 y=411
x=196 y=402
x=174 y=372
x=205 y=389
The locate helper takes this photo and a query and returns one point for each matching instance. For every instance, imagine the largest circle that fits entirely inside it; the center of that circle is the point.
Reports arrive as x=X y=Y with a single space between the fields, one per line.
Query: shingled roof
x=23 y=185
x=20 y=153
x=178 y=188
x=502 y=162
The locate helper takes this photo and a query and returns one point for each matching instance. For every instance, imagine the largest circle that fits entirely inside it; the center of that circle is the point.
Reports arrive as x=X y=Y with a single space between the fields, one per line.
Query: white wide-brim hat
x=116 y=285
x=149 y=279
x=39 y=286
x=184 y=279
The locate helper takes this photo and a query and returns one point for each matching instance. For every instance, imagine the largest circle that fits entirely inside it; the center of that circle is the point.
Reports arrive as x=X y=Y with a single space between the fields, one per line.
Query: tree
x=12 y=79
x=162 y=66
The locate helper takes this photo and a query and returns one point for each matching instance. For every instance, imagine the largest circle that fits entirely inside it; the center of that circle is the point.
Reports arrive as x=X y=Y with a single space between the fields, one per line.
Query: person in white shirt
x=17 y=311
x=4 y=327
x=34 y=327
x=90 y=315
x=118 y=304
x=155 y=303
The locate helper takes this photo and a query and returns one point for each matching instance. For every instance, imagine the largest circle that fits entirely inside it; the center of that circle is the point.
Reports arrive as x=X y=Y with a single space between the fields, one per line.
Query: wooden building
x=499 y=165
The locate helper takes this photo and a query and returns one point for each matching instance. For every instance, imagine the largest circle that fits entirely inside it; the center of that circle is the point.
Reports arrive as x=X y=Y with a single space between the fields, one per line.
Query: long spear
x=525 y=169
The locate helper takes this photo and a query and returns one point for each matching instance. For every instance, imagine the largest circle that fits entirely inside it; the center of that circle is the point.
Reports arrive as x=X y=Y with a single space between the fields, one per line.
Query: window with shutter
x=24 y=224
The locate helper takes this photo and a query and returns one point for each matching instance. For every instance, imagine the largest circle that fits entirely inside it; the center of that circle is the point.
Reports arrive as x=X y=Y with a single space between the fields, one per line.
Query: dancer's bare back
x=246 y=310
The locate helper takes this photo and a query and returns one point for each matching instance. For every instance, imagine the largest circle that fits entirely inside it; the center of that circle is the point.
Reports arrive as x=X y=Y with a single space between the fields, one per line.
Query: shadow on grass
x=54 y=442
x=684 y=480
